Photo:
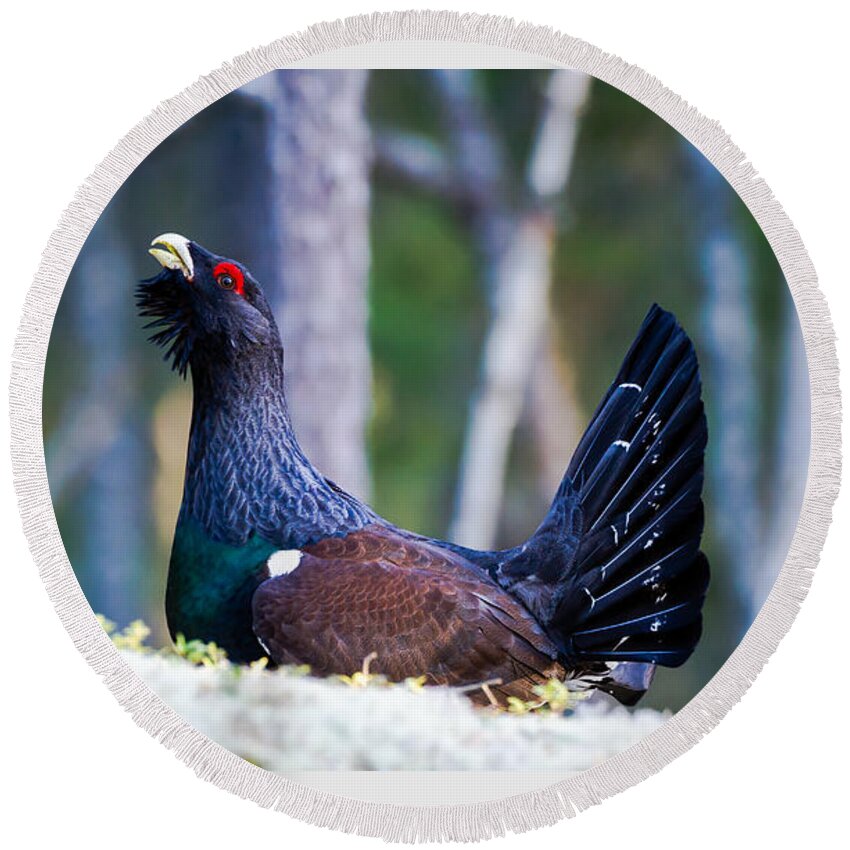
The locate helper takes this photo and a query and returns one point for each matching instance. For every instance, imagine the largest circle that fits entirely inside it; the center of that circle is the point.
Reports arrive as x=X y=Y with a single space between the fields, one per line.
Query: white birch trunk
x=520 y=309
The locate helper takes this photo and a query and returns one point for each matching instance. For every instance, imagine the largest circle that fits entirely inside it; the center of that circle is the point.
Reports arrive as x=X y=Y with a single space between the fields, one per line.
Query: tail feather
x=613 y=554
x=608 y=423
x=639 y=584
x=643 y=613
x=631 y=581
x=622 y=398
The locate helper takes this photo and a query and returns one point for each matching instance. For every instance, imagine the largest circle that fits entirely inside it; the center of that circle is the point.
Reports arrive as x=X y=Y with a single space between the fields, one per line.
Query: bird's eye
x=229 y=276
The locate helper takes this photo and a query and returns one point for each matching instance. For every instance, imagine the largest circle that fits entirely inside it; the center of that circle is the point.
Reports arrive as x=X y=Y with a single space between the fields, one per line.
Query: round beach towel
x=425 y=394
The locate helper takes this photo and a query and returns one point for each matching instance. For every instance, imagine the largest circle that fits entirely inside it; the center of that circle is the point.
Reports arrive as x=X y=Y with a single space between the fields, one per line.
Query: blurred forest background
x=458 y=261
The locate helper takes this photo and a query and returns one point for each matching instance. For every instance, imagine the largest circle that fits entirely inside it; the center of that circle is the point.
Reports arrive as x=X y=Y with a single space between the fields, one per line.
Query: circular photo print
x=426 y=420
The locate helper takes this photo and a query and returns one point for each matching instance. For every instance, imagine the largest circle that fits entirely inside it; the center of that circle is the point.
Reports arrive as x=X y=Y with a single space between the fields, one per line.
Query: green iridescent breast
x=210 y=586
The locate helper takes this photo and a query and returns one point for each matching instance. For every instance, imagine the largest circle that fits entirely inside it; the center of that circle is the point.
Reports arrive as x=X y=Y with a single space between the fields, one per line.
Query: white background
x=77 y=76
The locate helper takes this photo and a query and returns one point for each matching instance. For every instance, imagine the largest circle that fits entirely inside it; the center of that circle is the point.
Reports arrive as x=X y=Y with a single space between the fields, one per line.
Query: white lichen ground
x=285 y=722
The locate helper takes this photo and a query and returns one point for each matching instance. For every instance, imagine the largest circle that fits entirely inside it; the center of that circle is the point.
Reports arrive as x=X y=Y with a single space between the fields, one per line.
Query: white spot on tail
x=592 y=598
x=637 y=387
x=616 y=535
x=622 y=444
x=284 y=562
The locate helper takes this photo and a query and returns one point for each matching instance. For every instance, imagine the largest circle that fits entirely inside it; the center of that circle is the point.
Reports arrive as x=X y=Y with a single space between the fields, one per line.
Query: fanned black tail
x=630 y=580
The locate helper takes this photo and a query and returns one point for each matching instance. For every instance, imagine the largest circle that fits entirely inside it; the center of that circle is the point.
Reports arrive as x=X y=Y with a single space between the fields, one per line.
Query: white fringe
x=435 y=823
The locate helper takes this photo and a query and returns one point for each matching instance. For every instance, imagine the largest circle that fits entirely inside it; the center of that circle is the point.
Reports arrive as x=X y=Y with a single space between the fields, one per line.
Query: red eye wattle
x=229 y=276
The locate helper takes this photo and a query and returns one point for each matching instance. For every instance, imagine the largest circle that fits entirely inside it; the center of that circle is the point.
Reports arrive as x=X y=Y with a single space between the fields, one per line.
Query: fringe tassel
x=424 y=823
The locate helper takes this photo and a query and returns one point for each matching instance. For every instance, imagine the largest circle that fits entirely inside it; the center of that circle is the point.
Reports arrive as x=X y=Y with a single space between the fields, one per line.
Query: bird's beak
x=174 y=253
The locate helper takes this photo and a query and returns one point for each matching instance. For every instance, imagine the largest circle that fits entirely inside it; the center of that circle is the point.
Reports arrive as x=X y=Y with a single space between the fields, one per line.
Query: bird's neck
x=245 y=472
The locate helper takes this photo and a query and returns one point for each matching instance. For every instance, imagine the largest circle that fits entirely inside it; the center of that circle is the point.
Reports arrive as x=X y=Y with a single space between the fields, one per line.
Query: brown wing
x=421 y=609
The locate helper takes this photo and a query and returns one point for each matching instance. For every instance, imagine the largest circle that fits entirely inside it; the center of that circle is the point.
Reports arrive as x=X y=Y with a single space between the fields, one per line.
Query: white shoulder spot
x=283 y=562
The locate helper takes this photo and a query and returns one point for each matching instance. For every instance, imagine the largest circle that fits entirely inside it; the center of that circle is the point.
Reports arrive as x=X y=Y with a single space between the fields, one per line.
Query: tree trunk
x=318 y=227
x=101 y=440
x=520 y=307
x=479 y=165
x=730 y=333
x=790 y=456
